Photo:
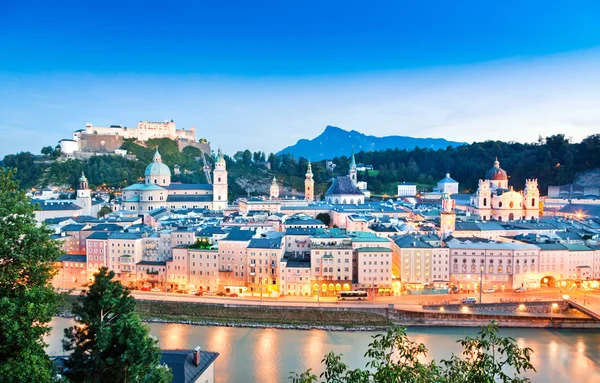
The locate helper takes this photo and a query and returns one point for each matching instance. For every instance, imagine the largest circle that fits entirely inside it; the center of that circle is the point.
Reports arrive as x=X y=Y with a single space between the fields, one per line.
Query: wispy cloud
x=514 y=100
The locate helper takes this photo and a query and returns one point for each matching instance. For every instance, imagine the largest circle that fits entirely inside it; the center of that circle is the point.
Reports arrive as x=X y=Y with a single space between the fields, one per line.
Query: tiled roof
x=119 y=235
x=182 y=364
x=298 y=264
x=300 y=231
x=178 y=186
x=72 y=258
x=265 y=243
x=239 y=235
x=73 y=227
x=190 y=198
x=343 y=185
x=52 y=206
x=100 y=235
x=105 y=227
x=377 y=249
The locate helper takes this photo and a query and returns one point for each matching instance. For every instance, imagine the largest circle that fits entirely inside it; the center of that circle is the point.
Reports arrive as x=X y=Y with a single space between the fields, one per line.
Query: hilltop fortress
x=105 y=140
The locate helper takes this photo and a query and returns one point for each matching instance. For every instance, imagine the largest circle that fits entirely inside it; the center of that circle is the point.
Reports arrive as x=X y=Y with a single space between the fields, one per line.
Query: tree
x=109 y=343
x=47 y=150
x=325 y=218
x=104 y=210
x=394 y=358
x=27 y=299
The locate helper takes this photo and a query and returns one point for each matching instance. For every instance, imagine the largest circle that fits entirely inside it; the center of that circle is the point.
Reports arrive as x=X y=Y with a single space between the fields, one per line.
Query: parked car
x=209 y=293
x=181 y=292
x=490 y=290
x=521 y=290
x=233 y=295
x=198 y=293
x=155 y=289
x=145 y=288
x=193 y=292
x=468 y=301
x=221 y=294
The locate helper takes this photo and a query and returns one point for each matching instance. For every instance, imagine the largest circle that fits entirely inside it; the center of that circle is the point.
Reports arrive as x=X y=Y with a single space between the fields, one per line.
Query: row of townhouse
x=464 y=264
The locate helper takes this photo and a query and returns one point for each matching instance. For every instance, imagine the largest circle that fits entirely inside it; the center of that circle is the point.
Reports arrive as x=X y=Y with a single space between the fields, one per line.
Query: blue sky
x=262 y=74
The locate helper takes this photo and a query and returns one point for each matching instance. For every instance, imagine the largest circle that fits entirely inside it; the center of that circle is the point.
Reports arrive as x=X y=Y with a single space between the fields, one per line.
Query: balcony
x=252 y=273
x=152 y=272
x=225 y=270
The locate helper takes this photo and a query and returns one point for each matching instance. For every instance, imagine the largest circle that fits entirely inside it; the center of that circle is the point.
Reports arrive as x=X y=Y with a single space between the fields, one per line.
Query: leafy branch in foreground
x=393 y=358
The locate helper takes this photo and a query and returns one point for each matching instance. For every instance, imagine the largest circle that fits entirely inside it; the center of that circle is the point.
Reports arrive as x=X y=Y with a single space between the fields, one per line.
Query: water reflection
x=267 y=355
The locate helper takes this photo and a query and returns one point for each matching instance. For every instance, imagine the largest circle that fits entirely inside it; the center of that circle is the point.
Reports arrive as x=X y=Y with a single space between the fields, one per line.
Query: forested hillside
x=553 y=161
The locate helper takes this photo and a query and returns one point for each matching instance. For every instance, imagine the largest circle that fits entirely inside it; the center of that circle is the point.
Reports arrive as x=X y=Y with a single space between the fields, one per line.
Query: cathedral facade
x=157 y=191
x=495 y=200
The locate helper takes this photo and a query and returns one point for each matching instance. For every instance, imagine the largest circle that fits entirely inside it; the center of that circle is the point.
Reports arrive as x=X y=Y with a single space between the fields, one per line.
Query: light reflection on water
x=268 y=355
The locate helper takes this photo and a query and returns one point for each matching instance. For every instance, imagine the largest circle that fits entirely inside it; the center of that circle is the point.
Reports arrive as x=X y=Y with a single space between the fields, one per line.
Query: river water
x=268 y=355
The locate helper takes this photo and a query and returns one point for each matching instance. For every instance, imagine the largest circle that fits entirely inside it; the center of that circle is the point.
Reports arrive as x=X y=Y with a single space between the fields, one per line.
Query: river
x=268 y=355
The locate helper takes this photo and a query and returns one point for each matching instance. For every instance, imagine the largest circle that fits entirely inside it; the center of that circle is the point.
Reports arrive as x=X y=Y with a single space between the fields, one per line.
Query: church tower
x=447 y=217
x=531 y=199
x=274 y=190
x=220 y=184
x=84 y=196
x=353 y=173
x=309 y=185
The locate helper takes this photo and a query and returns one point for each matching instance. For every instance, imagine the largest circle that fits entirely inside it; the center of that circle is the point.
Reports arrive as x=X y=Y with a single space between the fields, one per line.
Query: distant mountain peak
x=336 y=142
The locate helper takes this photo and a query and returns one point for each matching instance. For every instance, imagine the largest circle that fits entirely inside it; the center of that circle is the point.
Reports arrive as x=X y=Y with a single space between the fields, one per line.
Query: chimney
x=196 y=355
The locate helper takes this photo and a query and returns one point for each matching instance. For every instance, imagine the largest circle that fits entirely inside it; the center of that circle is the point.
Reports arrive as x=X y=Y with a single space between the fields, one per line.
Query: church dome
x=157 y=168
x=496 y=173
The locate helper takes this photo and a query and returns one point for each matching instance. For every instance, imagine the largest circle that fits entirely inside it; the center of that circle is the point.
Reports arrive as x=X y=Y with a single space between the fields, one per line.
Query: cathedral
x=157 y=191
x=495 y=200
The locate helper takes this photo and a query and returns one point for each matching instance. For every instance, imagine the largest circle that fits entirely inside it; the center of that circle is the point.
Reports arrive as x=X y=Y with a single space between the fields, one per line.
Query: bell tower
x=531 y=199
x=84 y=196
x=447 y=217
x=220 y=183
x=353 y=173
x=274 y=189
x=309 y=185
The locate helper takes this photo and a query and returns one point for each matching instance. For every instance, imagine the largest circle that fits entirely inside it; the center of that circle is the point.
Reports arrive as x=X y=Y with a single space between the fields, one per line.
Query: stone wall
x=103 y=143
x=203 y=146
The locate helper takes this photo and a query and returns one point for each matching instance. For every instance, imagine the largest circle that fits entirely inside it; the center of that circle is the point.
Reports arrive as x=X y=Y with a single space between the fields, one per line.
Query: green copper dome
x=157 y=168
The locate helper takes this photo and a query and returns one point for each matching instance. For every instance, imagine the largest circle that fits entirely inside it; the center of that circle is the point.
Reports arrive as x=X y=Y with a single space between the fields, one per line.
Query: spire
x=352 y=160
x=220 y=158
x=157 y=156
x=309 y=173
x=496 y=163
x=82 y=178
x=274 y=180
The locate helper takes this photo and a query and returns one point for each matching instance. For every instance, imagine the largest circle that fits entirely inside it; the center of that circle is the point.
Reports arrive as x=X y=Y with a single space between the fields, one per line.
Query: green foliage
x=394 y=358
x=104 y=210
x=110 y=343
x=201 y=244
x=325 y=218
x=27 y=299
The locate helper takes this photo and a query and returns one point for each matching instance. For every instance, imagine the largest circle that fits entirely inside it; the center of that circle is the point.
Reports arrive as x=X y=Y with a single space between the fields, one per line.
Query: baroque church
x=157 y=191
x=495 y=200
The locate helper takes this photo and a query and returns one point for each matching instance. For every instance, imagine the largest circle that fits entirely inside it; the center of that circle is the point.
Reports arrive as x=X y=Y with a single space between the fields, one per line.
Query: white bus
x=352 y=296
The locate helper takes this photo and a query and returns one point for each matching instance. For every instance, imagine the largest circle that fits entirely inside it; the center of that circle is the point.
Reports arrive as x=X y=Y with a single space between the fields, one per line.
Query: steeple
x=220 y=157
x=353 y=174
x=309 y=173
x=309 y=184
x=157 y=156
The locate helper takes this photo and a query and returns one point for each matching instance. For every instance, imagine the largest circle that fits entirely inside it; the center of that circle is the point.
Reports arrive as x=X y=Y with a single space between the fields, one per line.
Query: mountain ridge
x=336 y=142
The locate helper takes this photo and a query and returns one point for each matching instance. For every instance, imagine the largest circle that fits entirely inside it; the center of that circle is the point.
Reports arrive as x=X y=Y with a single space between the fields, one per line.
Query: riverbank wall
x=363 y=317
